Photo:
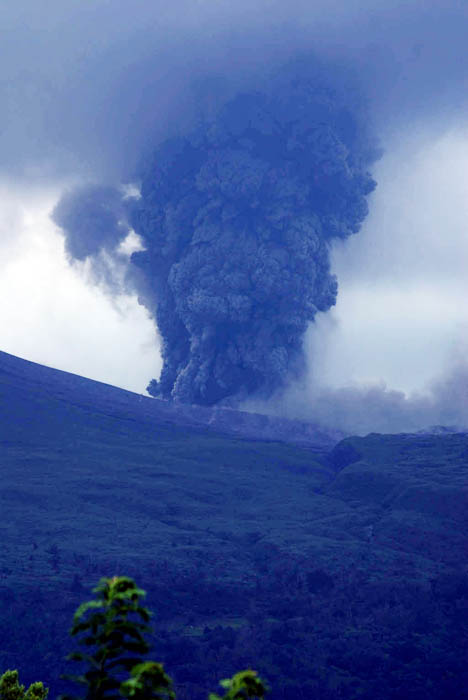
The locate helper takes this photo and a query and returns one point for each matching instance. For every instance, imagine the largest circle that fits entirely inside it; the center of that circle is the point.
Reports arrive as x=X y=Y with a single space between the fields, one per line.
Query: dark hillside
x=336 y=570
x=21 y=378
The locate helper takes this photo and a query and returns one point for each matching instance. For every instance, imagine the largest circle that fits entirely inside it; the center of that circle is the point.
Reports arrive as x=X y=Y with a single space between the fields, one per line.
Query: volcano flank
x=328 y=564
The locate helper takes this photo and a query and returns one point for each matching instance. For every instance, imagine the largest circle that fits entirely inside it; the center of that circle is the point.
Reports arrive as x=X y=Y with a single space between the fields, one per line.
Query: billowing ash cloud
x=361 y=409
x=94 y=219
x=236 y=219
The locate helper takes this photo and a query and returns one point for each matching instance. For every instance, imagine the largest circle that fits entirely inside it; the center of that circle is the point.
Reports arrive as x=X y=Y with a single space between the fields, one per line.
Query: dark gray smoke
x=89 y=89
x=375 y=408
x=95 y=221
x=236 y=219
x=94 y=218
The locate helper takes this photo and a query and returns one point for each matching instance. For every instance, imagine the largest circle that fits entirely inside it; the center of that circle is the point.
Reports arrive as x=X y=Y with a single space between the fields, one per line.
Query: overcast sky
x=401 y=315
x=87 y=86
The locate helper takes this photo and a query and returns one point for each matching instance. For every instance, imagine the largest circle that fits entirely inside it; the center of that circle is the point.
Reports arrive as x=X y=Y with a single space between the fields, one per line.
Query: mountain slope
x=21 y=378
x=249 y=549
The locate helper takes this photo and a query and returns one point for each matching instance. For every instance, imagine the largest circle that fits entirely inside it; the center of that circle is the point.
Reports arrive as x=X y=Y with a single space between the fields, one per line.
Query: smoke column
x=236 y=219
x=89 y=91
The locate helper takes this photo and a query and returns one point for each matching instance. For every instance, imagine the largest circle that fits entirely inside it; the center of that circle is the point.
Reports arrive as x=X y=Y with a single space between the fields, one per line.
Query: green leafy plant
x=116 y=641
x=10 y=689
x=245 y=684
x=148 y=682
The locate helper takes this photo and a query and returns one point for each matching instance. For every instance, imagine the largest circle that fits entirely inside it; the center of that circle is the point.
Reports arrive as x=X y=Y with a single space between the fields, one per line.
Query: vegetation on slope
x=339 y=576
x=115 y=641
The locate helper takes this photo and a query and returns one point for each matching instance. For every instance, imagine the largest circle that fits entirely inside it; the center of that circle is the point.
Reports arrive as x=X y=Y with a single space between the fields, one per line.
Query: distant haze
x=91 y=92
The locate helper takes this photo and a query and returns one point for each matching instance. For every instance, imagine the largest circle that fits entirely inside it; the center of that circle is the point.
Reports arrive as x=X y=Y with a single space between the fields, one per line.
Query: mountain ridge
x=223 y=420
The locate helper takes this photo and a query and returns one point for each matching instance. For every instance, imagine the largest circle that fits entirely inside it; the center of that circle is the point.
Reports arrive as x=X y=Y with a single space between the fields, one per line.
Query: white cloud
x=403 y=283
x=51 y=315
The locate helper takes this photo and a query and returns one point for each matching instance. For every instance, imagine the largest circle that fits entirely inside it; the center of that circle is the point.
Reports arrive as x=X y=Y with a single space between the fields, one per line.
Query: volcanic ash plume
x=237 y=218
x=94 y=221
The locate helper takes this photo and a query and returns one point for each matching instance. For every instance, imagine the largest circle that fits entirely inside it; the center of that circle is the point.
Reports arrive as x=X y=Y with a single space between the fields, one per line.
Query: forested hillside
x=336 y=569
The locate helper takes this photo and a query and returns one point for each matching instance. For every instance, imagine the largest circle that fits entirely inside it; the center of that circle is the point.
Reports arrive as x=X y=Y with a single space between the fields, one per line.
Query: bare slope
x=19 y=378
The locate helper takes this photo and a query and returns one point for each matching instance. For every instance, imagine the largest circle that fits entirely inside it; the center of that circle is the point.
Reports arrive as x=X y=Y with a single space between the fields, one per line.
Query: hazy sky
x=401 y=315
x=87 y=87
